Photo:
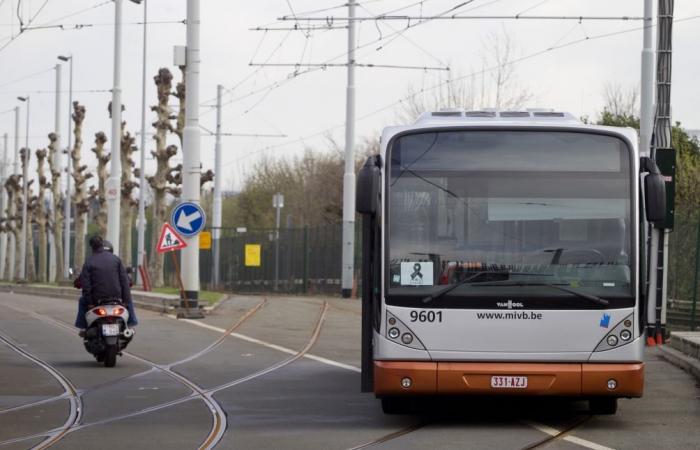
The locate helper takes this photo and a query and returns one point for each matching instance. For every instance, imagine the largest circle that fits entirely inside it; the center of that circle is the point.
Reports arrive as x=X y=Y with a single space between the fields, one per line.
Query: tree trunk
x=57 y=213
x=41 y=217
x=30 y=272
x=12 y=188
x=102 y=175
x=127 y=203
x=159 y=181
x=80 y=200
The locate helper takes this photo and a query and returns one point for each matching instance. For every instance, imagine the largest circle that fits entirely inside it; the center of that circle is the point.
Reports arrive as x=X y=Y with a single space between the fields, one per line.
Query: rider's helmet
x=107 y=246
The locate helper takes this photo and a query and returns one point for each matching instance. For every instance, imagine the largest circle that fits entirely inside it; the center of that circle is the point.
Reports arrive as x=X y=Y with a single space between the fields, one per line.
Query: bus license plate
x=111 y=329
x=508 y=382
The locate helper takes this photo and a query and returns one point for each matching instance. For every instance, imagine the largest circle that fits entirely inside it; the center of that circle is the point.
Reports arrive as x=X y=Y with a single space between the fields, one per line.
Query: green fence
x=309 y=261
x=683 y=276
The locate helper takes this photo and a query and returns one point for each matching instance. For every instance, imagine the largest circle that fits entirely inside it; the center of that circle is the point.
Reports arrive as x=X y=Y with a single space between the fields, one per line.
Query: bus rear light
x=406 y=382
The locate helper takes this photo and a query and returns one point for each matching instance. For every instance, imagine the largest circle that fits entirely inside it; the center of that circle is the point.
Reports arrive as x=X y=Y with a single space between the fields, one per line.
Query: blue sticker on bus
x=605 y=320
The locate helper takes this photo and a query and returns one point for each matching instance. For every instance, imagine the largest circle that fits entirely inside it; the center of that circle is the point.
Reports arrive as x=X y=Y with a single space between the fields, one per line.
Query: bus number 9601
x=426 y=316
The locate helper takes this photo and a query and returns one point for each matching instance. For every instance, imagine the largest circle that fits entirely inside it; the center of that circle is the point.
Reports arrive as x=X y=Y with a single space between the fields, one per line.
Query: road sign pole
x=191 y=163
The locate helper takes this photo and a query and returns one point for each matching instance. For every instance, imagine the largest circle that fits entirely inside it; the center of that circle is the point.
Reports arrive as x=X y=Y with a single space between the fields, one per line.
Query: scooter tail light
x=118 y=311
x=101 y=312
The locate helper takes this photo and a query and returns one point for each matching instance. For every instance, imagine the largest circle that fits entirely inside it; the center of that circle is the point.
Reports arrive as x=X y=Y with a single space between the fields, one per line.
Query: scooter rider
x=103 y=276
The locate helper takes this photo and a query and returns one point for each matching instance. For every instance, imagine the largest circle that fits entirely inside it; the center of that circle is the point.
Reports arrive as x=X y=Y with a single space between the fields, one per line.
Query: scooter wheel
x=100 y=357
x=110 y=355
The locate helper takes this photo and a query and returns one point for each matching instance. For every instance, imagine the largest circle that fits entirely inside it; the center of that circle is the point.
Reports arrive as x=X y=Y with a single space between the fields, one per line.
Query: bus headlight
x=394 y=333
x=612 y=340
x=407 y=338
x=625 y=335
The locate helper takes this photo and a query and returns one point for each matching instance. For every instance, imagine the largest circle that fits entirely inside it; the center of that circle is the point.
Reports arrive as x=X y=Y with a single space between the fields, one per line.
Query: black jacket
x=104 y=276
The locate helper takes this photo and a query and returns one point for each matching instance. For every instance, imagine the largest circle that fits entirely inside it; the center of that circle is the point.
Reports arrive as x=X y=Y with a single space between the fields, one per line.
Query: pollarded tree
x=28 y=240
x=80 y=176
x=102 y=174
x=41 y=216
x=127 y=202
x=13 y=186
x=159 y=181
x=57 y=197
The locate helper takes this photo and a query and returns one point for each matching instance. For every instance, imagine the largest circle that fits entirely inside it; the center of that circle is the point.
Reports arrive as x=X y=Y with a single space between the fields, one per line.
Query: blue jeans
x=81 y=322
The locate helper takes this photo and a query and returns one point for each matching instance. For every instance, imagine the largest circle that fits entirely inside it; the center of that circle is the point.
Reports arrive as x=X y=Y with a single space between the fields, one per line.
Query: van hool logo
x=510 y=304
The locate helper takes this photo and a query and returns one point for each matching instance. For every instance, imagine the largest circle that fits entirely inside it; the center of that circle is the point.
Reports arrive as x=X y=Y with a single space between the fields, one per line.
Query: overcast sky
x=304 y=108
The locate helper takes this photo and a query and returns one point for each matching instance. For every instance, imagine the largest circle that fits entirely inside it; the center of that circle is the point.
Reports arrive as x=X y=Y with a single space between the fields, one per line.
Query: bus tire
x=396 y=405
x=603 y=406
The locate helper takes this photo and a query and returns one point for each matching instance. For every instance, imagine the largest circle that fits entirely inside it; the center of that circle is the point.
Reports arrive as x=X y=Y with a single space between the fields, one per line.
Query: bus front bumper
x=472 y=378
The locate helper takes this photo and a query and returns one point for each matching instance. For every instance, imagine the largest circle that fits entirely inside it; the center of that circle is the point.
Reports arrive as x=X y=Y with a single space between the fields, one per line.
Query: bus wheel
x=603 y=405
x=396 y=405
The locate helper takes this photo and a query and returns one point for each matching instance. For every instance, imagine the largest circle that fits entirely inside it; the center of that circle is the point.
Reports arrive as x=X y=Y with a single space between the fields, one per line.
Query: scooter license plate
x=110 y=329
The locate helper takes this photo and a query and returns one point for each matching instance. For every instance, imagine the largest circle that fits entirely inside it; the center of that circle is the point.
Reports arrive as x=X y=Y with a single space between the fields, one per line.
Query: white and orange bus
x=503 y=253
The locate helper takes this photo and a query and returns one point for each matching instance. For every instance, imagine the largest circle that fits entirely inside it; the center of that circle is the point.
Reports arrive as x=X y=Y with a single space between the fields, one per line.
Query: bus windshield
x=506 y=212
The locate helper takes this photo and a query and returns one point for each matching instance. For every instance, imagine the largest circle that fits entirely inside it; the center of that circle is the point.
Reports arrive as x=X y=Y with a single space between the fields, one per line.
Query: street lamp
x=67 y=201
x=141 y=239
x=23 y=250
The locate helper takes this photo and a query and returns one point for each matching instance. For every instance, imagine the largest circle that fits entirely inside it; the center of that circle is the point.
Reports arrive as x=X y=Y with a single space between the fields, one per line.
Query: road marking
x=573 y=439
x=279 y=348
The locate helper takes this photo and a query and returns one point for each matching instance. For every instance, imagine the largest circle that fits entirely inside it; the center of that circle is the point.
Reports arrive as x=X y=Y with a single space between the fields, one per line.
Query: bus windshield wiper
x=561 y=287
x=472 y=277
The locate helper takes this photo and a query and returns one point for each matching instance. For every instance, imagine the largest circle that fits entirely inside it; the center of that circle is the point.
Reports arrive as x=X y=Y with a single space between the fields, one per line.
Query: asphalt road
x=284 y=377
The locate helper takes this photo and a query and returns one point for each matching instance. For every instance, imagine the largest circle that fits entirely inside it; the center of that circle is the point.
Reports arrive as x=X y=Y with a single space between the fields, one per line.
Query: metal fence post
x=306 y=260
x=695 y=278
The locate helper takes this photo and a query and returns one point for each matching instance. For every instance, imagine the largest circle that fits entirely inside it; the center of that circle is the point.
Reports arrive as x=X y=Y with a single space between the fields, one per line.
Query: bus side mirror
x=654 y=192
x=367 y=191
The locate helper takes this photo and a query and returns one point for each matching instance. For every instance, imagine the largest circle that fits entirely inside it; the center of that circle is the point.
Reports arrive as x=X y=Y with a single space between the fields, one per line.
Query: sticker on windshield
x=417 y=273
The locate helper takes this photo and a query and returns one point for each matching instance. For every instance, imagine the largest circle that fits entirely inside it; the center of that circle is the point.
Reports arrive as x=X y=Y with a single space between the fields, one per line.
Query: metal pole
x=57 y=131
x=13 y=206
x=191 y=150
x=3 y=200
x=113 y=185
x=349 y=177
x=67 y=201
x=216 y=223
x=141 y=258
x=695 y=278
x=25 y=182
x=647 y=92
x=278 y=207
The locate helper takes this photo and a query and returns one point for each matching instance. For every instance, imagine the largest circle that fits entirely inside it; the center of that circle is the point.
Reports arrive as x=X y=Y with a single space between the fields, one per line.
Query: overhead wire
x=26 y=77
x=438 y=85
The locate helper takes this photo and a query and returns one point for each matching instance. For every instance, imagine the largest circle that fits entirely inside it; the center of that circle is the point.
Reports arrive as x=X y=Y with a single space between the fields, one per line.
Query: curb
x=212 y=308
x=153 y=303
x=685 y=362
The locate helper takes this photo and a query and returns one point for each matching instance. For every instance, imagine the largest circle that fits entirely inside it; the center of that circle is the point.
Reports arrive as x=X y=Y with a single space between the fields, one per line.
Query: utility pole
x=141 y=240
x=278 y=204
x=664 y=154
x=191 y=161
x=216 y=207
x=113 y=185
x=3 y=198
x=54 y=213
x=349 y=176
x=25 y=189
x=67 y=201
x=645 y=131
x=13 y=207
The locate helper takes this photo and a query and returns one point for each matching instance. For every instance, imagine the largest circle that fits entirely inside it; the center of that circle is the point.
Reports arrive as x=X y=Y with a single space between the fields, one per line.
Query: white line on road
x=573 y=439
x=289 y=351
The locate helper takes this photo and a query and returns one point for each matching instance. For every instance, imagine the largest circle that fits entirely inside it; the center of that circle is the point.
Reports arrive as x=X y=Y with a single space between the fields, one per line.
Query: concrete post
x=113 y=185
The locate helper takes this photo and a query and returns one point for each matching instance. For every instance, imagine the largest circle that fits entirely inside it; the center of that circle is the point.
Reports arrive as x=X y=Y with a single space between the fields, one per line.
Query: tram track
x=390 y=436
x=219 y=422
x=70 y=392
x=219 y=425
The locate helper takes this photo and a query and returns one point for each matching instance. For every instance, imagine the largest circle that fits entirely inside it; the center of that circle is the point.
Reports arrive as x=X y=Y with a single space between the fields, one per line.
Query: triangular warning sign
x=169 y=240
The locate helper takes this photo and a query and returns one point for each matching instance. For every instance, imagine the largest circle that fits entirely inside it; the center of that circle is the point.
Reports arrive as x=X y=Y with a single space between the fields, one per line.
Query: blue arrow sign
x=188 y=219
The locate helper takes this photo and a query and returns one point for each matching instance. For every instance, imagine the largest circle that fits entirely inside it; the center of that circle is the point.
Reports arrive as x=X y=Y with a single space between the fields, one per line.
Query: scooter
x=107 y=333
